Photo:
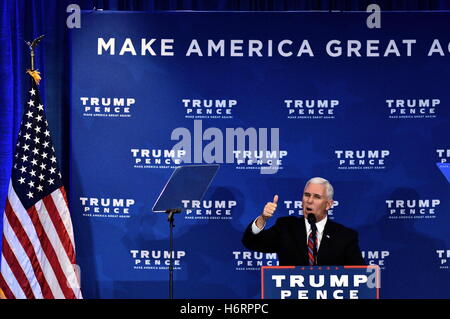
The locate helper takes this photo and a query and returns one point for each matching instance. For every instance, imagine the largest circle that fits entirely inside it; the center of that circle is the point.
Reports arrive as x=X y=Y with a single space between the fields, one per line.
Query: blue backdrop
x=385 y=239
x=365 y=108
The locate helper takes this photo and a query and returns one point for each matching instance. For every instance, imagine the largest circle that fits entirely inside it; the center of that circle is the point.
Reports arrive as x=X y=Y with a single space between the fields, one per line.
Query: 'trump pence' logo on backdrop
x=323 y=109
x=362 y=159
x=412 y=208
x=156 y=259
x=251 y=260
x=156 y=158
x=106 y=207
x=111 y=107
x=412 y=108
x=295 y=208
x=208 y=209
x=444 y=256
x=443 y=155
x=208 y=108
x=376 y=257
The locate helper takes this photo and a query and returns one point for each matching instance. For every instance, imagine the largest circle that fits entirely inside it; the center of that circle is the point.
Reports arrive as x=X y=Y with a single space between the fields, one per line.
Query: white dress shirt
x=320 y=228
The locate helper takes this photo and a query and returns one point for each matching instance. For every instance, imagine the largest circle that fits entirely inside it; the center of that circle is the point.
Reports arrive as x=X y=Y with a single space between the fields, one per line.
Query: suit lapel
x=300 y=240
x=327 y=237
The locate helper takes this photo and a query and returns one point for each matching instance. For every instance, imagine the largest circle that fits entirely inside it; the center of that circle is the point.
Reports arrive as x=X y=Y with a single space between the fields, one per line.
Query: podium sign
x=324 y=282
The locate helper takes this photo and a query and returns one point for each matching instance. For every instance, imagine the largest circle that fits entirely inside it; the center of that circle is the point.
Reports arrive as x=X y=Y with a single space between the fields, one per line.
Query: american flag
x=38 y=248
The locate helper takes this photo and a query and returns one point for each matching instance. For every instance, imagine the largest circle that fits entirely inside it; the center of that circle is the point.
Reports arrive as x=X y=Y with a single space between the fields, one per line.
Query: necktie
x=312 y=246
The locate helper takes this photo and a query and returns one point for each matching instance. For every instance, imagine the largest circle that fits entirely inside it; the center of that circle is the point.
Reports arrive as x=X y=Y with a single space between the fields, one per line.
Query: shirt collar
x=320 y=225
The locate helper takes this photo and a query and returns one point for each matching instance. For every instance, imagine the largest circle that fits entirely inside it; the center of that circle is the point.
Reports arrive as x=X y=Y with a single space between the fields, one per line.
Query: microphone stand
x=171 y=218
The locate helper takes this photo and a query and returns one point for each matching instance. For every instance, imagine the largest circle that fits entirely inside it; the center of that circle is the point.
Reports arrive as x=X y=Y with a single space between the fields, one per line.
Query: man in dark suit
x=306 y=241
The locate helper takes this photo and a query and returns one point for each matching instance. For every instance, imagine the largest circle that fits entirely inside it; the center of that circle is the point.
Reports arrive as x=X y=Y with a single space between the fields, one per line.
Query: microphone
x=311 y=218
x=312 y=221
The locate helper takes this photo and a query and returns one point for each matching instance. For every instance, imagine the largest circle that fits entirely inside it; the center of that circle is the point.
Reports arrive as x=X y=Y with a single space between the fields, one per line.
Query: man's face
x=315 y=201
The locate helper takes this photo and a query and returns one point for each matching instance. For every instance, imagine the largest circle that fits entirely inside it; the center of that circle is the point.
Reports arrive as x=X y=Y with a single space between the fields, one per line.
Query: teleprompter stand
x=186 y=183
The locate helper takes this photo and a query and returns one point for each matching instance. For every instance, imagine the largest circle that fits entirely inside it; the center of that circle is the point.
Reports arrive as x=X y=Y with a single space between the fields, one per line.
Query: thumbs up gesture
x=270 y=208
x=268 y=211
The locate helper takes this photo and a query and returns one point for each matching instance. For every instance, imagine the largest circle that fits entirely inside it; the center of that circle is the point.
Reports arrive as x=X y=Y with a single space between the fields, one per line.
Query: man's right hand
x=267 y=213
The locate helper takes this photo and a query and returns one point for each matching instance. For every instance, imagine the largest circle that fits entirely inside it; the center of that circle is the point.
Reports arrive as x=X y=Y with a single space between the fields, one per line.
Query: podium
x=320 y=282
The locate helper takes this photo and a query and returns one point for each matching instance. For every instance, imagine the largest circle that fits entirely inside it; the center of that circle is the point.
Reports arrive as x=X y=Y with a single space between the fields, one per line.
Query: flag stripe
x=25 y=242
x=16 y=269
x=63 y=258
x=64 y=195
x=60 y=200
x=50 y=253
x=4 y=285
x=30 y=230
x=23 y=260
x=10 y=281
x=5 y=288
x=60 y=228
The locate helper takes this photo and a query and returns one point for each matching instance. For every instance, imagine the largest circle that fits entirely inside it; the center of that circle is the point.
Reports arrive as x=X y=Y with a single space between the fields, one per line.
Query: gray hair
x=319 y=180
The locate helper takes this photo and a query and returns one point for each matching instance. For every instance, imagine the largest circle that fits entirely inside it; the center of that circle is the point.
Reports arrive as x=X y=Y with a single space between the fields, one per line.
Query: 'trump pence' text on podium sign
x=326 y=282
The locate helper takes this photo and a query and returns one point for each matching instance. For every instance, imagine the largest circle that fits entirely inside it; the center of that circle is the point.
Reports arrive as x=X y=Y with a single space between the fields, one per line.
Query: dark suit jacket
x=338 y=247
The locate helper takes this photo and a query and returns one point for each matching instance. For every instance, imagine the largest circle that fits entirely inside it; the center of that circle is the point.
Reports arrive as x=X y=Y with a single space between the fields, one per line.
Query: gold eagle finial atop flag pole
x=32 y=72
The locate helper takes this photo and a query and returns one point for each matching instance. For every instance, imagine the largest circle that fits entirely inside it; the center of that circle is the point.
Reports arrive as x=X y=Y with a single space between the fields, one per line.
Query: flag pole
x=32 y=45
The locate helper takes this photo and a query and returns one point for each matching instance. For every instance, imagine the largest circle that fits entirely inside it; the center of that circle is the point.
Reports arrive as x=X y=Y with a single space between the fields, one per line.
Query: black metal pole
x=171 y=225
x=171 y=218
